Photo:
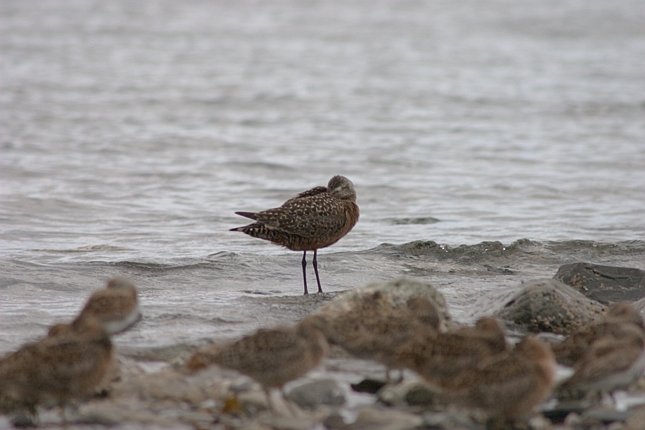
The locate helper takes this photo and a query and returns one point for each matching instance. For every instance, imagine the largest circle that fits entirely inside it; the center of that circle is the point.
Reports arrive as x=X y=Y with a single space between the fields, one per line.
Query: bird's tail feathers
x=251 y=215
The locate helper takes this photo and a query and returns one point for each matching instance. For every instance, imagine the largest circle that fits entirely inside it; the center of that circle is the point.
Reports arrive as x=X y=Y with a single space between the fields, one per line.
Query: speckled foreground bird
x=610 y=363
x=508 y=386
x=617 y=323
x=314 y=219
x=56 y=369
x=375 y=327
x=272 y=357
x=442 y=357
x=116 y=307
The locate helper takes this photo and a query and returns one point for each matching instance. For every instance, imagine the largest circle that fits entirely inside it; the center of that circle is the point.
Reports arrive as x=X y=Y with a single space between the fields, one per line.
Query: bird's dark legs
x=315 y=262
x=304 y=271
x=267 y=393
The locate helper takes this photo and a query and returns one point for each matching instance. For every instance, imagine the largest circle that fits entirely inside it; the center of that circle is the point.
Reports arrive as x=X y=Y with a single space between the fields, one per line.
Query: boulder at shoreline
x=551 y=306
x=606 y=284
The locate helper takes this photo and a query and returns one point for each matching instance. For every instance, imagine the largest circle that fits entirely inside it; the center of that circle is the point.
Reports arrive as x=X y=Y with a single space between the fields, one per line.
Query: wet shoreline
x=228 y=294
x=475 y=280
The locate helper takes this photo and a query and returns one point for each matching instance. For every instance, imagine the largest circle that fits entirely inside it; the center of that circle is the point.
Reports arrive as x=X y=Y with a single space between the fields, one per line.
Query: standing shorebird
x=312 y=220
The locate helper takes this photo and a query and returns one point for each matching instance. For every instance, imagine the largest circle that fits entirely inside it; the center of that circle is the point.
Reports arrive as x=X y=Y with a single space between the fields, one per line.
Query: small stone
x=603 y=415
x=24 y=421
x=616 y=425
x=253 y=402
x=539 y=422
x=573 y=420
x=167 y=384
x=452 y=419
x=334 y=421
x=288 y=422
x=314 y=393
x=412 y=393
x=371 y=418
x=420 y=395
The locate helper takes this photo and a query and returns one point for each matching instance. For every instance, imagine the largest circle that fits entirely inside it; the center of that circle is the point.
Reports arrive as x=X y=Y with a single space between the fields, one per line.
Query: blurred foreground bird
x=611 y=363
x=442 y=357
x=116 y=307
x=508 y=386
x=375 y=327
x=57 y=369
x=272 y=357
x=314 y=219
x=618 y=322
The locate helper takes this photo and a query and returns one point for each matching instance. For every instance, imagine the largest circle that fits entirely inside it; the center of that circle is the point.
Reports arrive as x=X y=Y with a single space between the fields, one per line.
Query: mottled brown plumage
x=508 y=386
x=272 y=357
x=314 y=219
x=609 y=364
x=116 y=307
x=56 y=369
x=344 y=327
x=375 y=327
x=441 y=357
x=616 y=323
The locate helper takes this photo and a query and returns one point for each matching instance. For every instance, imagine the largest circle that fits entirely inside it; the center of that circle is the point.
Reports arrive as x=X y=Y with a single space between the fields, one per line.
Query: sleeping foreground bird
x=619 y=321
x=442 y=357
x=611 y=363
x=272 y=357
x=57 y=369
x=375 y=327
x=312 y=220
x=116 y=307
x=508 y=386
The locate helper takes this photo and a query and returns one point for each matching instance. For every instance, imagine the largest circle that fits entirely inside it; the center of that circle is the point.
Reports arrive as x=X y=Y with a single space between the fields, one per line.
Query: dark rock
x=560 y=412
x=24 y=421
x=371 y=386
x=605 y=284
x=549 y=305
x=420 y=395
